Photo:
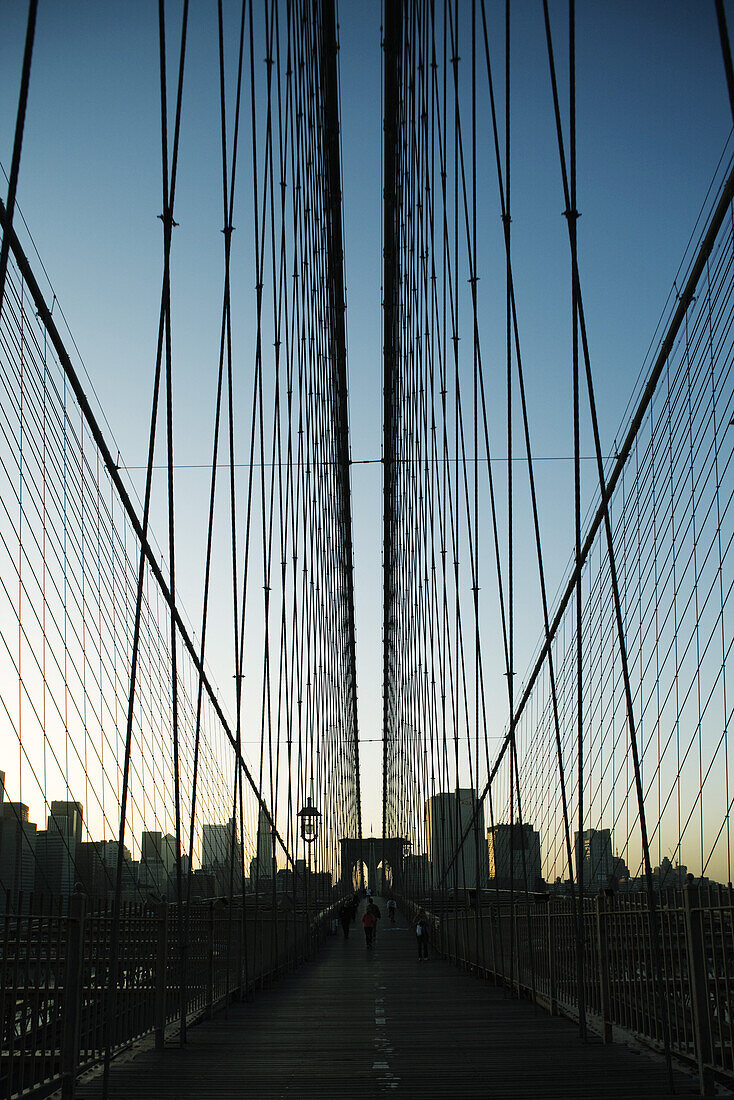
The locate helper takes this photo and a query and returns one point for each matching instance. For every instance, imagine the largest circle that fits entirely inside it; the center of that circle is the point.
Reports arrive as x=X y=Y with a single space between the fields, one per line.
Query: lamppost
x=309 y=816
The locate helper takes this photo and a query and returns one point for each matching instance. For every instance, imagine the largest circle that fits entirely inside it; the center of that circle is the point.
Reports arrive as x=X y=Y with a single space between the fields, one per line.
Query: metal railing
x=531 y=948
x=54 y=966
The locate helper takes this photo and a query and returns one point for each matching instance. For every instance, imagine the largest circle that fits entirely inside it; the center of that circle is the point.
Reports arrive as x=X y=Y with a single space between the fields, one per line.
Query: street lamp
x=309 y=816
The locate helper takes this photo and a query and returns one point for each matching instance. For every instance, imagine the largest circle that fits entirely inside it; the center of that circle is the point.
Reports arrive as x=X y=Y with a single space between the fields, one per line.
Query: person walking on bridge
x=373 y=906
x=369 y=920
x=421 y=937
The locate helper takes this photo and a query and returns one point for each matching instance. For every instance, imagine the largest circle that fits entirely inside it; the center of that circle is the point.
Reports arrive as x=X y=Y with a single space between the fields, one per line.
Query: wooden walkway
x=362 y=1023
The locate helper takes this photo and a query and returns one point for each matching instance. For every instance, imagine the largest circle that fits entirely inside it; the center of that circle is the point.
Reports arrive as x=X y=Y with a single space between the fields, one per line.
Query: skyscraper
x=150 y=847
x=152 y=874
x=447 y=818
x=594 y=859
x=216 y=845
x=68 y=818
x=96 y=869
x=514 y=855
x=17 y=850
x=265 y=861
x=216 y=857
x=56 y=849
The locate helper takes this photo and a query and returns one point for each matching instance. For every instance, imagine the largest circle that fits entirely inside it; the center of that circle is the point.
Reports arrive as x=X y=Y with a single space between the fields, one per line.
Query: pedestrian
x=377 y=914
x=369 y=920
x=421 y=937
x=392 y=906
x=345 y=918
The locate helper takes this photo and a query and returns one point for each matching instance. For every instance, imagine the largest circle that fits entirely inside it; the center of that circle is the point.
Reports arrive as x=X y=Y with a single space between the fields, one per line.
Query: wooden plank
x=379 y=1021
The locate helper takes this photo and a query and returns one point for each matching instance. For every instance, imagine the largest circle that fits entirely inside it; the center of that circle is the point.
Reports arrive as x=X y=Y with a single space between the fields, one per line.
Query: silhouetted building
x=216 y=845
x=263 y=865
x=56 y=849
x=447 y=819
x=594 y=859
x=17 y=849
x=514 y=856
x=158 y=863
x=152 y=875
x=96 y=879
x=96 y=869
x=216 y=857
x=666 y=875
x=68 y=817
x=151 y=847
x=620 y=870
x=168 y=853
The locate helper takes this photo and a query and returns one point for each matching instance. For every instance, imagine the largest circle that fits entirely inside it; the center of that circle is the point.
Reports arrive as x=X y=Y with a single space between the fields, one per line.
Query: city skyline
x=54 y=860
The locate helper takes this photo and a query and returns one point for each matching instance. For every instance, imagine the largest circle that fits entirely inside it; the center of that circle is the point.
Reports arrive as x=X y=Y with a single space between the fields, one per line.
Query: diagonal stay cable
x=17 y=144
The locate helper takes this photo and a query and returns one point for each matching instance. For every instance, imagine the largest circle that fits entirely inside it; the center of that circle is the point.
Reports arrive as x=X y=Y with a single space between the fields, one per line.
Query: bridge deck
x=360 y=1023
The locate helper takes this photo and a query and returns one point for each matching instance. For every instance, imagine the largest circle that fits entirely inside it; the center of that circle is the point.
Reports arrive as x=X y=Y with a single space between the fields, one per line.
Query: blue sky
x=653 y=118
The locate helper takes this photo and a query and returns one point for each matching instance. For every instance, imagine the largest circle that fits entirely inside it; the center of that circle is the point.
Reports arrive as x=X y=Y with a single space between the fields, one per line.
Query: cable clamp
x=571 y=214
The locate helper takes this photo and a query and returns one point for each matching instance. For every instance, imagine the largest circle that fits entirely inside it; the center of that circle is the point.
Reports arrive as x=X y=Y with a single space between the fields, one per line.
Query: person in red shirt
x=369 y=921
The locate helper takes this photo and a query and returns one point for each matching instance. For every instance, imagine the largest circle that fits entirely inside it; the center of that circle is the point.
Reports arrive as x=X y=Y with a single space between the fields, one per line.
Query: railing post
x=602 y=950
x=551 y=948
x=698 y=978
x=515 y=954
x=73 y=994
x=210 y=963
x=239 y=991
x=161 y=969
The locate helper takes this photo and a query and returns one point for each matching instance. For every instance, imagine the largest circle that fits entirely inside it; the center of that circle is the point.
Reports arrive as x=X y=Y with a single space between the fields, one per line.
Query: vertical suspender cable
x=572 y=217
x=391 y=279
x=338 y=355
x=112 y=972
